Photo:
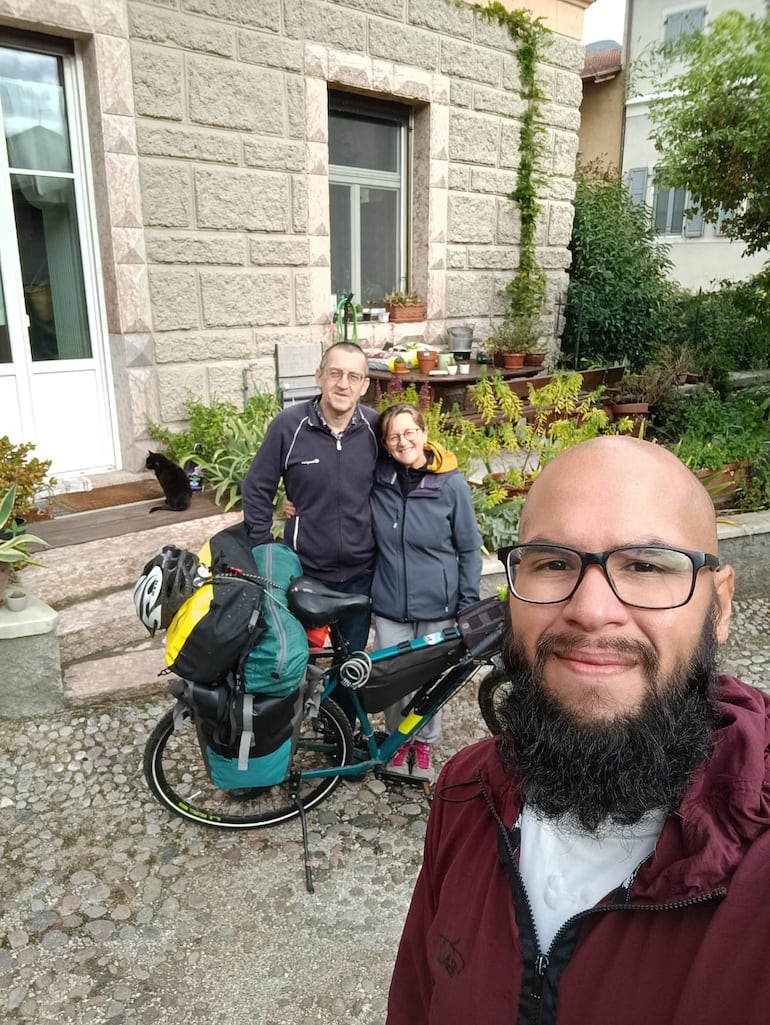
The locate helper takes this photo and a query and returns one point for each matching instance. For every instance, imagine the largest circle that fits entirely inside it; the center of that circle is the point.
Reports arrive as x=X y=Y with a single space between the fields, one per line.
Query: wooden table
x=450 y=388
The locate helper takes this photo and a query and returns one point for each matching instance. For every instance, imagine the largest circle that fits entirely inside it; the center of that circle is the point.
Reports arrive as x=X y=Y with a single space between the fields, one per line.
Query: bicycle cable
x=355 y=670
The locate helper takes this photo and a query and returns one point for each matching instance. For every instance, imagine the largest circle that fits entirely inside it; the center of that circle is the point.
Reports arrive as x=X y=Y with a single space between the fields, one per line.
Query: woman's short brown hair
x=393 y=411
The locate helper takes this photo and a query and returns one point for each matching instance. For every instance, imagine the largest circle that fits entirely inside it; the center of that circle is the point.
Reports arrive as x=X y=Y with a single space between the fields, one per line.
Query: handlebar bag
x=477 y=621
x=403 y=668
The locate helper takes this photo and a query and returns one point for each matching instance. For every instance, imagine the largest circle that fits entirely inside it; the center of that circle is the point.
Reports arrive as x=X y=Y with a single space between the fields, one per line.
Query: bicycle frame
x=427 y=701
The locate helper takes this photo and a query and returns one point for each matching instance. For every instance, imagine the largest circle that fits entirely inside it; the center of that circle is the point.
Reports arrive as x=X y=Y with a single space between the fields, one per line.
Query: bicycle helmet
x=166 y=582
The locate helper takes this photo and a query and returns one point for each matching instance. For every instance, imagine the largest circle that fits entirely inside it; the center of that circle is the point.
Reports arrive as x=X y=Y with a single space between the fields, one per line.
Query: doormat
x=105 y=498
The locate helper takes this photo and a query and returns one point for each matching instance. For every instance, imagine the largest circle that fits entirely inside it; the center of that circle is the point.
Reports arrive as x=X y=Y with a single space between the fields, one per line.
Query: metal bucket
x=460 y=338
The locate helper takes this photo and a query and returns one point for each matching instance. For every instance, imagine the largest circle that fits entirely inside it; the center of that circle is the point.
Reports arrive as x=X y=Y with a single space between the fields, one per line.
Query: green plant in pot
x=26 y=474
x=14 y=544
x=405 y=306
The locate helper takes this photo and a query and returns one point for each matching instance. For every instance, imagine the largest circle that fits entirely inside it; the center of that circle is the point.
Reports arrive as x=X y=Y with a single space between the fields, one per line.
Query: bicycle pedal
x=403 y=778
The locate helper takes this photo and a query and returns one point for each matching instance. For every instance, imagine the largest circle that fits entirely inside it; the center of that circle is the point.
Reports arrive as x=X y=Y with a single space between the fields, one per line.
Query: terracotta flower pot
x=513 y=360
x=534 y=359
x=405 y=314
x=426 y=362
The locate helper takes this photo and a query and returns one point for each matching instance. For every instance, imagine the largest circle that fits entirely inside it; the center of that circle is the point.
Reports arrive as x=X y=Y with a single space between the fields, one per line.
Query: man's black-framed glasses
x=642 y=576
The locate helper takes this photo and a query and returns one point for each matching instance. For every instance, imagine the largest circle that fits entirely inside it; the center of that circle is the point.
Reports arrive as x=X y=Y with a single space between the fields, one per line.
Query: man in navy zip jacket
x=326 y=451
x=606 y=859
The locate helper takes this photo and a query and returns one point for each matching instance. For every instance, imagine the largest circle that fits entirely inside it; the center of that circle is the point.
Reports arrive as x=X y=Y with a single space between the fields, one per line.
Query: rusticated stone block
x=406 y=45
x=497 y=101
x=182 y=33
x=470 y=62
x=564 y=153
x=473 y=138
x=188 y=143
x=323 y=23
x=469 y=295
x=166 y=199
x=273 y=154
x=157 y=82
x=269 y=52
x=213 y=249
x=484 y=179
x=241 y=200
x=472 y=219
x=225 y=383
x=251 y=13
x=175 y=386
x=458 y=21
x=174 y=298
x=266 y=251
x=229 y=95
x=202 y=346
x=245 y=298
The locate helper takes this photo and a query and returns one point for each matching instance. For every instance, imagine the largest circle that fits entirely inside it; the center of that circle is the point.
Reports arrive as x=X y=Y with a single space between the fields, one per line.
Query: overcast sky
x=604 y=19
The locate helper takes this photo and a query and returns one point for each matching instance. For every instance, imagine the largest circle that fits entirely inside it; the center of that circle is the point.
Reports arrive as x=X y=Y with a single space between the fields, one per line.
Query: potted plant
x=405 y=307
x=508 y=341
x=399 y=365
x=14 y=544
x=28 y=475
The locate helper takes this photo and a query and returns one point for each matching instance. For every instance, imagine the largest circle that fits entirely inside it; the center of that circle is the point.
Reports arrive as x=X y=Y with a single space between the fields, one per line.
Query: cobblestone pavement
x=114 y=911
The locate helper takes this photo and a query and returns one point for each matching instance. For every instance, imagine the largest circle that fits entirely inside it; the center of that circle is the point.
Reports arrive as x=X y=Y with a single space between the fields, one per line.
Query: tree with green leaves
x=711 y=123
x=619 y=298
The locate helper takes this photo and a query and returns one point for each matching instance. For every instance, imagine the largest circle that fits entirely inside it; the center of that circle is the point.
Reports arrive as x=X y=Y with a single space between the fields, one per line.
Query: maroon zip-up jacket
x=688 y=943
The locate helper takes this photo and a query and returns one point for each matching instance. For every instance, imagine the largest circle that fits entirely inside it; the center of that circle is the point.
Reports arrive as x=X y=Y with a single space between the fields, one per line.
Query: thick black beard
x=616 y=769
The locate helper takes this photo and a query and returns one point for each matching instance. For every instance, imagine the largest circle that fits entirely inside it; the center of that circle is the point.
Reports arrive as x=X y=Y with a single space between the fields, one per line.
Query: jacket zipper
x=543 y=961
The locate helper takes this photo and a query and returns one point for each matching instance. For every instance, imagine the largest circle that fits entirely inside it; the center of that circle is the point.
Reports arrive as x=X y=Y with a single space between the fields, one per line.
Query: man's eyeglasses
x=410 y=434
x=335 y=374
x=642 y=576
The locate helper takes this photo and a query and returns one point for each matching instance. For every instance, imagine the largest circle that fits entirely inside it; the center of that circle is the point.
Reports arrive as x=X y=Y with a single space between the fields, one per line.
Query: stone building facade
x=206 y=179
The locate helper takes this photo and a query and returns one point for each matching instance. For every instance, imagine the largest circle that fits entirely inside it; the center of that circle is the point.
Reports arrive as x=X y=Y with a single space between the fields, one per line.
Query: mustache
x=565 y=644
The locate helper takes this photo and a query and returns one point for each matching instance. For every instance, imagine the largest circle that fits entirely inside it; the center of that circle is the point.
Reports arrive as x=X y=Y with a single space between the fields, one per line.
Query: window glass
x=367 y=200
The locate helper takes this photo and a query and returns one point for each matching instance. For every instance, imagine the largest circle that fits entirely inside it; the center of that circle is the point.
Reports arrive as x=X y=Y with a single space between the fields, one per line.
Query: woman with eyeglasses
x=428 y=563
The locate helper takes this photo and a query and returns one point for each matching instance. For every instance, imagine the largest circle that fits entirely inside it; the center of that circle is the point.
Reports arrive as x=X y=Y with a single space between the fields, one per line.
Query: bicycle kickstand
x=294 y=781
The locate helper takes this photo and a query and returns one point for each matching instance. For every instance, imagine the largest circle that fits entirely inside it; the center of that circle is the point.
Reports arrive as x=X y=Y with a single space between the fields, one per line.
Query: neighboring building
x=187 y=182
x=603 y=106
x=701 y=254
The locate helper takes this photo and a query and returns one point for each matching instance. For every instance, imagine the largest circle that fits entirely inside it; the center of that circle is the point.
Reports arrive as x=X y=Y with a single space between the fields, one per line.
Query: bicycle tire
x=177 y=777
x=493 y=690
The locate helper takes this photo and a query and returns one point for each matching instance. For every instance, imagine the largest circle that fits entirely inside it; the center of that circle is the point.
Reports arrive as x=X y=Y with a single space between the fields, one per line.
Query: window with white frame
x=683 y=23
x=668 y=210
x=670 y=214
x=368 y=154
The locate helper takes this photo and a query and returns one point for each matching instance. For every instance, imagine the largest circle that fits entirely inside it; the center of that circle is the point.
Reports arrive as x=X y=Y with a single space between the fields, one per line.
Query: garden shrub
x=619 y=299
x=728 y=327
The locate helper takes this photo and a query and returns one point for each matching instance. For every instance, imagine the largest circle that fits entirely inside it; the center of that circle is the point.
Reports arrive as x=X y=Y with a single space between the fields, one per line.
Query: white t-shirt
x=566 y=870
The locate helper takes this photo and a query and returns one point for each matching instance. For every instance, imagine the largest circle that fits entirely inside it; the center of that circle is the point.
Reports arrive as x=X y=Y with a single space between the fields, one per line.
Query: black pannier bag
x=419 y=661
x=246 y=739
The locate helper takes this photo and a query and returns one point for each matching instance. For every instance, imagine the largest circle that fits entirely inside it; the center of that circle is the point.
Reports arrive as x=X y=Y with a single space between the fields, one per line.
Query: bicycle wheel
x=493 y=691
x=176 y=774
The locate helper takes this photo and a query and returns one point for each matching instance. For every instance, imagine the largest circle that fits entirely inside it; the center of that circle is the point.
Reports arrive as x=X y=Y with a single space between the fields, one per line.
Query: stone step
x=99 y=626
x=132 y=672
x=77 y=573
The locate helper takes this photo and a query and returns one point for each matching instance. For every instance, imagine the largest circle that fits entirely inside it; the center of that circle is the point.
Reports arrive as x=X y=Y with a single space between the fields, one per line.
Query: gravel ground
x=114 y=911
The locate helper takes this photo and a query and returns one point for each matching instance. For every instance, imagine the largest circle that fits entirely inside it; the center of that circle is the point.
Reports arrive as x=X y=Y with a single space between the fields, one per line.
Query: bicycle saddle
x=315 y=604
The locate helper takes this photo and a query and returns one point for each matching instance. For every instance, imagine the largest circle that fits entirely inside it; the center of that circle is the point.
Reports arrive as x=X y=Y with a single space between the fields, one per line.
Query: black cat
x=173 y=480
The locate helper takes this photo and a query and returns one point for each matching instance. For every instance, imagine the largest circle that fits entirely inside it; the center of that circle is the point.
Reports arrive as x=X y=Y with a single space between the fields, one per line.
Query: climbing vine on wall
x=526 y=291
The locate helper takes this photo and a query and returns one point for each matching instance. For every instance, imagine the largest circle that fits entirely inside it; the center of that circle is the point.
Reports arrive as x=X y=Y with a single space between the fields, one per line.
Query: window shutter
x=636 y=182
x=673 y=27
x=693 y=226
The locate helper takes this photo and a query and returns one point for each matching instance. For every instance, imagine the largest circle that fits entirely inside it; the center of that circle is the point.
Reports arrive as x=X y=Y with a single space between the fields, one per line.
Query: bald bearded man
x=604 y=861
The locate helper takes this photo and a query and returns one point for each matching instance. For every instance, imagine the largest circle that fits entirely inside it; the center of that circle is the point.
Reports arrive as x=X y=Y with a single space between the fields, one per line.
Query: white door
x=55 y=387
